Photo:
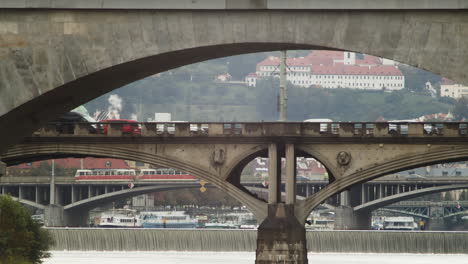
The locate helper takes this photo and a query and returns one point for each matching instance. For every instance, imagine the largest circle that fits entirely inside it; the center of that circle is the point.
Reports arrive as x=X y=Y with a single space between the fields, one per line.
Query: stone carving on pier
x=343 y=158
x=218 y=157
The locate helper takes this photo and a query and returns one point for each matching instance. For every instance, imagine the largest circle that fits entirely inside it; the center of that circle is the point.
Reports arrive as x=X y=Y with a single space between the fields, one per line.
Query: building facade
x=451 y=89
x=334 y=69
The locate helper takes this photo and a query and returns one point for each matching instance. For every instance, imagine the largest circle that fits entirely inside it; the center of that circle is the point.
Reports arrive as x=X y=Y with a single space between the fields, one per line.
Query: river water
x=172 y=257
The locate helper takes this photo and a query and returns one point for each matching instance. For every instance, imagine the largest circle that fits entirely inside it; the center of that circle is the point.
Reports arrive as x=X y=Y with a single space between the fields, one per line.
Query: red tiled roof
x=338 y=55
x=297 y=61
x=324 y=61
x=369 y=60
x=356 y=70
x=446 y=81
x=270 y=61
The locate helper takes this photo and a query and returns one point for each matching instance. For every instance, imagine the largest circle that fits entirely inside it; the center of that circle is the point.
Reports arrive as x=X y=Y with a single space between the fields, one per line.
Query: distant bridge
x=78 y=197
x=428 y=210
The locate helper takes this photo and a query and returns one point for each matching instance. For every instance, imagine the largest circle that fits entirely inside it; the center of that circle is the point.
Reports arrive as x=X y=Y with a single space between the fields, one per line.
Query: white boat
x=399 y=223
x=167 y=219
x=125 y=218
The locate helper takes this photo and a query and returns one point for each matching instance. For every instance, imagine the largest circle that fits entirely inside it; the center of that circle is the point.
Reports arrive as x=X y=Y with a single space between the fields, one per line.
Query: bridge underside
x=55 y=60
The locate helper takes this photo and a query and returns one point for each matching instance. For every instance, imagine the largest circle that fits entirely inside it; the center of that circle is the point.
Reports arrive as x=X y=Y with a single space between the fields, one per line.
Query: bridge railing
x=259 y=129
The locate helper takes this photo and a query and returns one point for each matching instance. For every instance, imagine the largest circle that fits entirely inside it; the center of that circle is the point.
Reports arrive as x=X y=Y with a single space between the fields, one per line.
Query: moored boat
x=167 y=219
x=125 y=218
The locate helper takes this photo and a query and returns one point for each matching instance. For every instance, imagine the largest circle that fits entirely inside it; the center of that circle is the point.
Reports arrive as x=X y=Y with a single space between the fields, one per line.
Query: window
x=458 y=173
x=139 y=164
x=108 y=164
x=444 y=173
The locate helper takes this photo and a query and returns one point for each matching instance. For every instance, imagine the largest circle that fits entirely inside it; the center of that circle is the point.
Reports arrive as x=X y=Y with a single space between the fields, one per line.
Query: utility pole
x=52 y=184
x=282 y=97
x=189 y=99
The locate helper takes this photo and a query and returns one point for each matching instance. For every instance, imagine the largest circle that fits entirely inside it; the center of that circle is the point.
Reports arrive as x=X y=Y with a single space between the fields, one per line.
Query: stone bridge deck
x=436 y=132
x=240 y=4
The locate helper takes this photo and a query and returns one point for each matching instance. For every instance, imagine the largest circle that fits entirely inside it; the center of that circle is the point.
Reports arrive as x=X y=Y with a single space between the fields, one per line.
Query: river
x=173 y=257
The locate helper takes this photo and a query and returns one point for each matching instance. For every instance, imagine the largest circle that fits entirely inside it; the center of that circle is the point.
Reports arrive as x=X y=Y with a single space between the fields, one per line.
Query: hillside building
x=451 y=89
x=334 y=69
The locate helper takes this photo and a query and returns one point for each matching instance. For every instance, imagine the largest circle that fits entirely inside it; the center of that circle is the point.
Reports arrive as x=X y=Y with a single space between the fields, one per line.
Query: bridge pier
x=2 y=169
x=56 y=216
x=348 y=219
x=281 y=237
x=436 y=224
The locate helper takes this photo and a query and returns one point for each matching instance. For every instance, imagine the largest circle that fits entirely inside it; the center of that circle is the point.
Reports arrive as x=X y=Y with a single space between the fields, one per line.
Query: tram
x=161 y=174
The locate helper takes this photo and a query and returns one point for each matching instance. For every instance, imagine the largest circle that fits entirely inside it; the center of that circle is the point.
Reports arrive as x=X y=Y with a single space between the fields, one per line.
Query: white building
x=451 y=89
x=334 y=69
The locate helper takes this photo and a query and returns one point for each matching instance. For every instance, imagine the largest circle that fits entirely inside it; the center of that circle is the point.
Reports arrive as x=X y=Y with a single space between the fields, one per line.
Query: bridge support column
x=345 y=198
x=274 y=175
x=348 y=219
x=20 y=192
x=436 y=224
x=56 y=216
x=281 y=238
x=2 y=169
x=290 y=174
x=73 y=194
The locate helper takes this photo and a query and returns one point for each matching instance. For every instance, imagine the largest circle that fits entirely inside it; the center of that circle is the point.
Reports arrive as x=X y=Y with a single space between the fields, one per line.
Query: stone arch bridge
x=217 y=152
x=57 y=55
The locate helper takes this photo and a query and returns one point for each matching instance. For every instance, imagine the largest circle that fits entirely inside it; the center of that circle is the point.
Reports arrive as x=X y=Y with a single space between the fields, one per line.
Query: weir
x=93 y=239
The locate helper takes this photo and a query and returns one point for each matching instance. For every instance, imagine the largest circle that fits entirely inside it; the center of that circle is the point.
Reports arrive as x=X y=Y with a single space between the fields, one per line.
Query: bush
x=22 y=240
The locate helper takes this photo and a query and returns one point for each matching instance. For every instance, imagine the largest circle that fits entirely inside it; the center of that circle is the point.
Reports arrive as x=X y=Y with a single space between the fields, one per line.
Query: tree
x=22 y=240
x=460 y=110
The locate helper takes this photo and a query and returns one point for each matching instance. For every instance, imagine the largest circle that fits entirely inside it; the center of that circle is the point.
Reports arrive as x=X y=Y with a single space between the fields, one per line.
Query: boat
x=124 y=218
x=399 y=223
x=220 y=226
x=167 y=219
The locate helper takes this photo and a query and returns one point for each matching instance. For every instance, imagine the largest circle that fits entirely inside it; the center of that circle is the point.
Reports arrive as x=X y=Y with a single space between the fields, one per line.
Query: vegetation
x=44 y=169
x=22 y=240
x=211 y=101
x=460 y=110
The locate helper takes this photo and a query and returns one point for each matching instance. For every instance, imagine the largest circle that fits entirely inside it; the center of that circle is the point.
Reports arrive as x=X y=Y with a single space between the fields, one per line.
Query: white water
x=172 y=257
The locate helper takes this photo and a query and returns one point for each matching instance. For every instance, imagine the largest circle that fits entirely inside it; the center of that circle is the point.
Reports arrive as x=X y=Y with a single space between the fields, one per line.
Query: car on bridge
x=128 y=127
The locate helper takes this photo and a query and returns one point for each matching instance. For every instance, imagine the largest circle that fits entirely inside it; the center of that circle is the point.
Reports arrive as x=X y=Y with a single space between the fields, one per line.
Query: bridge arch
x=29 y=203
x=256 y=206
x=94 y=201
x=72 y=56
x=404 y=162
x=372 y=205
